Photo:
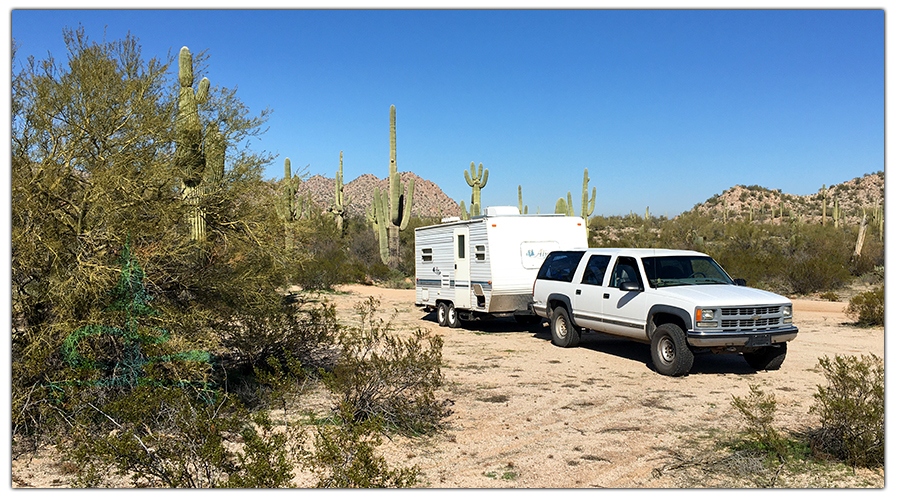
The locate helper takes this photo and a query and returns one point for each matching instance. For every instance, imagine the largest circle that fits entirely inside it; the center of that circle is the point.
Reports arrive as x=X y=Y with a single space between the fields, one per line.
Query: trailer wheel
x=442 y=312
x=453 y=317
x=563 y=331
x=670 y=352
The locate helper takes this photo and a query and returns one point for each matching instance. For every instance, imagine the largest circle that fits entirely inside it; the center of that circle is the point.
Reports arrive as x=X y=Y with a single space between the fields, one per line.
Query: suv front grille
x=750 y=311
x=750 y=318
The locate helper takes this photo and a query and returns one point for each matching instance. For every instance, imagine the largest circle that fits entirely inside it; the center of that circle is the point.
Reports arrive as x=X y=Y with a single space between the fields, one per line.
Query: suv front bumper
x=760 y=338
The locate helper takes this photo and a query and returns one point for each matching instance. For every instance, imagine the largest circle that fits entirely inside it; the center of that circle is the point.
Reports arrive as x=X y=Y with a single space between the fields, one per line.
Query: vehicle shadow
x=497 y=325
x=704 y=363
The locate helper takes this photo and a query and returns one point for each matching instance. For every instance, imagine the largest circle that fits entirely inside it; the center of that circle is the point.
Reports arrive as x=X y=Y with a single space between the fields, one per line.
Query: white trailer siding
x=503 y=254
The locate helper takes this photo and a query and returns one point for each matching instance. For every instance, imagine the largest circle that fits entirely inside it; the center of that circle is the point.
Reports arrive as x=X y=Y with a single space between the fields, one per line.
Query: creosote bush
x=851 y=410
x=758 y=412
x=174 y=438
x=383 y=375
x=345 y=455
x=868 y=308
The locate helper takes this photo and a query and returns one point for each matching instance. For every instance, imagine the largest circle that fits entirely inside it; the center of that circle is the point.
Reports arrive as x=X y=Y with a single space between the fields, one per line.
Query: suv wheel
x=670 y=352
x=442 y=311
x=767 y=358
x=562 y=329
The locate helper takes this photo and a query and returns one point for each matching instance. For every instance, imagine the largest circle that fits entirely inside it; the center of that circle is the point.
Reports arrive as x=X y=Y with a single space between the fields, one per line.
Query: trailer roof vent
x=449 y=219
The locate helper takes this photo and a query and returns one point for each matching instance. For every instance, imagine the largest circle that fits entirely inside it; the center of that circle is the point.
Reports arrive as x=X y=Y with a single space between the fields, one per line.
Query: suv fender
x=556 y=299
x=661 y=314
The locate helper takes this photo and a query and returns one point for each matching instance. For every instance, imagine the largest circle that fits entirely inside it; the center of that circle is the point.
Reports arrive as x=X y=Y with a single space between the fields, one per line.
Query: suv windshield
x=684 y=270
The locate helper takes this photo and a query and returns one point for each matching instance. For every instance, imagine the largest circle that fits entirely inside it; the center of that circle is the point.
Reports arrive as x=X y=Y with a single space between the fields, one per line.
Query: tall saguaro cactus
x=587 y=205
x=289 y=207
x=339 y=201
x=391 y=209
x=477 y=182
x=201 y=160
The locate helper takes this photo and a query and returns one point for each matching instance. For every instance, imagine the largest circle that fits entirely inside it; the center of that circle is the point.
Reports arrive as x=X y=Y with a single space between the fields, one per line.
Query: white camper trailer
x=485 y=267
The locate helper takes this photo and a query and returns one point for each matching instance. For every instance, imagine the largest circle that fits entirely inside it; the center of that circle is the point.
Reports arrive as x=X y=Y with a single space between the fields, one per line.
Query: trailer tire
x=563 y=331
x=453 y=320
x=442 y=311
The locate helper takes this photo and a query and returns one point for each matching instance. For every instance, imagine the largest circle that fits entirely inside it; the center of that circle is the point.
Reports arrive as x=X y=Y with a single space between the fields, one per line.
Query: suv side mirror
x=630 y=286
x=740 y=282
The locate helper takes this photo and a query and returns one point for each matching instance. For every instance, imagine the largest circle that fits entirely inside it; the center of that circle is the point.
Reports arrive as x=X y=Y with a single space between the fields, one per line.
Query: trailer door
x=462 y=288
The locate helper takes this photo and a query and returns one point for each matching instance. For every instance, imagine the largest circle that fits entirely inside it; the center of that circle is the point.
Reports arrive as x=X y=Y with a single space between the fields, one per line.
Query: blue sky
x=664 y=108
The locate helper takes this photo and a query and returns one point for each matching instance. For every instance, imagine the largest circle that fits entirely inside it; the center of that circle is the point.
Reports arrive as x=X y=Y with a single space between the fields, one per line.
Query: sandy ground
x=528 y=414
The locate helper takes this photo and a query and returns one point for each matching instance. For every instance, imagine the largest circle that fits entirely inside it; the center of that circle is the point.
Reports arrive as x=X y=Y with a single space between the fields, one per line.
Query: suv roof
x=645 y=252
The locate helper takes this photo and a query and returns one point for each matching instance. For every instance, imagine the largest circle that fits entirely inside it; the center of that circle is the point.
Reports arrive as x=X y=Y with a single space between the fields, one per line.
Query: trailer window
x=427 y=255
x=460 y=246
x=480 y=253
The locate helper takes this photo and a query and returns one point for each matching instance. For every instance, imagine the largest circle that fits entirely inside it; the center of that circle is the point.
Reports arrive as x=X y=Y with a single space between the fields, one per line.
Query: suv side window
x=626 y=270
x=595 y=270
x=560 y=266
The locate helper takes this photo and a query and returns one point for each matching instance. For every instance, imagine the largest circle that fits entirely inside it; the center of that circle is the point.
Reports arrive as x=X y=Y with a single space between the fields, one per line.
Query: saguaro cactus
x=339 y=201
x=587 y=205
x=522 y=209
x=477 y=182
x=288 y=206
x=391 y=209
x=201 y=162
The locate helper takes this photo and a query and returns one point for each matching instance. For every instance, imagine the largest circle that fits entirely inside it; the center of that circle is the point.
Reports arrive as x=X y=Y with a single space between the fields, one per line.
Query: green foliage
x=156 y=436
x=851 y=410
x=389 y=377
x=758 y=413
x=345 y=455
x=787 y=258
x=868 y=308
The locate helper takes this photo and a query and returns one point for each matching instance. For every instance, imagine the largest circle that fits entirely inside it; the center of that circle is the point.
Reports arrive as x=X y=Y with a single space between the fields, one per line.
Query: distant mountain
x=428 y=199
x=865 y=192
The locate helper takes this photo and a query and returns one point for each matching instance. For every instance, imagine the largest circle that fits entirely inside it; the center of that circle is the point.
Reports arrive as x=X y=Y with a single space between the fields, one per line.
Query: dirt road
x=529 y=414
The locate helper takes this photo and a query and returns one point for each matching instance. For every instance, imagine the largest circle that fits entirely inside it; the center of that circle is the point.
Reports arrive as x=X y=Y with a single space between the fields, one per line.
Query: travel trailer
x=485 y=267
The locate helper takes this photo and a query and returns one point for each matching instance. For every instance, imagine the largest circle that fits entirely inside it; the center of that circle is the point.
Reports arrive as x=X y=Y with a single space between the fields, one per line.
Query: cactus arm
x=407 y=208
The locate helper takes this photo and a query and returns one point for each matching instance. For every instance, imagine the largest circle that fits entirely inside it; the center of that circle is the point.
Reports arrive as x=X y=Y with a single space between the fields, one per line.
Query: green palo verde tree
x=391 y=209
x=92 y=161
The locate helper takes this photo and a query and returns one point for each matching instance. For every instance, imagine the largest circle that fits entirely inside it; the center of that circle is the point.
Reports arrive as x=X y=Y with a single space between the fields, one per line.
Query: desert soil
x=528 y=414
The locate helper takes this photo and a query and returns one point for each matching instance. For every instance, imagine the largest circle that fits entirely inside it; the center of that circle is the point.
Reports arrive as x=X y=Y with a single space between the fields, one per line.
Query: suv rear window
x=560 y=266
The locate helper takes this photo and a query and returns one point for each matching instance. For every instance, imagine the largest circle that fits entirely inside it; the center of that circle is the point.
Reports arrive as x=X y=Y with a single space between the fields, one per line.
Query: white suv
x=678 y=301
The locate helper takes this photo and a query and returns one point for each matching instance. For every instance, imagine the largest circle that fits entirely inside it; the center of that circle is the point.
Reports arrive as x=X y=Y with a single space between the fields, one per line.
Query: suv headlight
x=787 y=315
x=706 y=318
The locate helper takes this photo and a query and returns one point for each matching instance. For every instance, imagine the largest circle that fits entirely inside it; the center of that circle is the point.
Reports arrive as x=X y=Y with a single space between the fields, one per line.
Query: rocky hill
x=428 y=199
x=760 y=203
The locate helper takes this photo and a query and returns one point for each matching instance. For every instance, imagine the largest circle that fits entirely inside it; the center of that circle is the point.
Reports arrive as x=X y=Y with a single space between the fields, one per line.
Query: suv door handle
x=605 y=295
x=577 y=292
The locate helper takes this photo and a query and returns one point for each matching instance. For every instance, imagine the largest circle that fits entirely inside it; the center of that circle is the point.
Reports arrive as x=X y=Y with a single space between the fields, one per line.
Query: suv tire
x=767 y=358
x=563 y=329
x=670 y=352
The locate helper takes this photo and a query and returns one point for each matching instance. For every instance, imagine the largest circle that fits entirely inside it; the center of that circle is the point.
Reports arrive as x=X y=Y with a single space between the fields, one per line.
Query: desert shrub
x=868 y=308
x=345 y=455
x=174 y=438
x=758 y=413
x=389 y=377
x=851 y=410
